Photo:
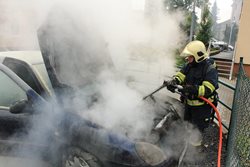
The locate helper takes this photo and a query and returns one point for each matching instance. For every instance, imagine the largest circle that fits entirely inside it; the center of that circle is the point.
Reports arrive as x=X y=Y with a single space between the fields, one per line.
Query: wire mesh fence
x=238 y=147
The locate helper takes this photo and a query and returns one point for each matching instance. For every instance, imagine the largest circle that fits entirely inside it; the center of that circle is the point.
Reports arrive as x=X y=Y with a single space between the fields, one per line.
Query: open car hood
x=74 y=53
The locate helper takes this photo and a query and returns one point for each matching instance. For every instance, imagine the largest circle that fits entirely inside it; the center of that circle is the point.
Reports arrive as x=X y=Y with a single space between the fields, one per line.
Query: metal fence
x=226 y=93
x=238 y=146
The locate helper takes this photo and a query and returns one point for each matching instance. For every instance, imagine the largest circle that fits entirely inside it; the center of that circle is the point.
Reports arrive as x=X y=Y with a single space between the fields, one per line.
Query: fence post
x=233 y=119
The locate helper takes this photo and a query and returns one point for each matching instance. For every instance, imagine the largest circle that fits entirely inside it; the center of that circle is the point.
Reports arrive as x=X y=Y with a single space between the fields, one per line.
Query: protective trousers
x=198 y=115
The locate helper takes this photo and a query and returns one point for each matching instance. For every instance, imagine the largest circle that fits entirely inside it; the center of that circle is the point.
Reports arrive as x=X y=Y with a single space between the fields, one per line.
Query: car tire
x=75 y=157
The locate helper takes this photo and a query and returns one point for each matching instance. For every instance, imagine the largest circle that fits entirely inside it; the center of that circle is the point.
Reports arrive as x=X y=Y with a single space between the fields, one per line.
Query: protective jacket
x=204 y=76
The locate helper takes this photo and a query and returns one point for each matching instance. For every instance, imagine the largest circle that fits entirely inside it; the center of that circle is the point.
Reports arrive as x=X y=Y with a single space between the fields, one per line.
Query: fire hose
x=220 y=129
x=179 y=87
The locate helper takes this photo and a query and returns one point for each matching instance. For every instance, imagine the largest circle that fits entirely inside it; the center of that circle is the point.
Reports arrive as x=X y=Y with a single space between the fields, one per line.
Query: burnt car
x=37 y=117
x=69 y=139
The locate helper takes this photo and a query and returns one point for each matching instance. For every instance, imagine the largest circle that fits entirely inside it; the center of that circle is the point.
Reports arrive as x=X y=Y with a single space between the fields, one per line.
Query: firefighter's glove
x=190 y=91
x=171 y=85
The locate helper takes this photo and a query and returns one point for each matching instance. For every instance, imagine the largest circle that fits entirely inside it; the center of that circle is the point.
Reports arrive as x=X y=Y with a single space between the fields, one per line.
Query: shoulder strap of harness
x=210 y=64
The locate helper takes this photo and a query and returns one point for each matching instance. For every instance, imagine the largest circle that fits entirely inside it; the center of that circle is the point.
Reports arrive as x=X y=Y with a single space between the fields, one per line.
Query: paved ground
x=208 y=152
x=226 y=95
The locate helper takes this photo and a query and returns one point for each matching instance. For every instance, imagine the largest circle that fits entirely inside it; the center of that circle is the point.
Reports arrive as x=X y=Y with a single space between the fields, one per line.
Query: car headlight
x=150 y=153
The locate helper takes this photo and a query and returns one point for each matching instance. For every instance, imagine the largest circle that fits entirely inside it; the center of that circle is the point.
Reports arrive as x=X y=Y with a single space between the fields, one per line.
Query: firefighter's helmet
x=196 y=49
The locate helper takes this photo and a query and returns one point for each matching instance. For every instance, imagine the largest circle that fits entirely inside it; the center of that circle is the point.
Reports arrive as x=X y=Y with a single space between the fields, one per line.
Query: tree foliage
x=185 y=5
x=172 y=5
x=204 y=32
x=204 y=29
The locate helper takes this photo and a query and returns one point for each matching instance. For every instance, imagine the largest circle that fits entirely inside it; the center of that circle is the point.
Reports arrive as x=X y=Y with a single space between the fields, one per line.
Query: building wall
x=17 y=26
x=236 y=10
x=219 y=30
x=236 y=69
x=242 y=45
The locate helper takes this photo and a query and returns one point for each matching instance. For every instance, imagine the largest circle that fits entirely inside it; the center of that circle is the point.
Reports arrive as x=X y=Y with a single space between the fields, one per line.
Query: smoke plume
x=111 y=54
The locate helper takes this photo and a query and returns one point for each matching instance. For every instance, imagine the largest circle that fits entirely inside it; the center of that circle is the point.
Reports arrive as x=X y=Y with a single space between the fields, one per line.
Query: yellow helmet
x=196 y=49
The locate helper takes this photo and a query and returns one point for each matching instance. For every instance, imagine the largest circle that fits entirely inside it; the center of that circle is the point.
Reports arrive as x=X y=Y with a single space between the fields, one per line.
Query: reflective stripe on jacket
x=204 y=76
x=198 y=102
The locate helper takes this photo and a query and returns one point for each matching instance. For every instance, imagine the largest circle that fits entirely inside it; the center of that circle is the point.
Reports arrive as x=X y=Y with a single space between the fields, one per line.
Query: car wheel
x=75 y=157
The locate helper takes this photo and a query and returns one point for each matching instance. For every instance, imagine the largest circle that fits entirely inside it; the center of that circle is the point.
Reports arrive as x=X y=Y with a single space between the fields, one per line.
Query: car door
x=14 y=126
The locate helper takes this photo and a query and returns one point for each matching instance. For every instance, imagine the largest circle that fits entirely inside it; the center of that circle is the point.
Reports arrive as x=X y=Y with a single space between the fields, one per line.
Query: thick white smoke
x=139 y=42
x=140 y=45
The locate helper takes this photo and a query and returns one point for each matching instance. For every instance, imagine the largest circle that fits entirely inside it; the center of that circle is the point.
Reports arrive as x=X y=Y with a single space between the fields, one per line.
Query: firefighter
x=199 y=77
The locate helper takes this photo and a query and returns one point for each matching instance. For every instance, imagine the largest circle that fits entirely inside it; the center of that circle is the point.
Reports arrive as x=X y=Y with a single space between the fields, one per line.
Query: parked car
x=221 y=45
